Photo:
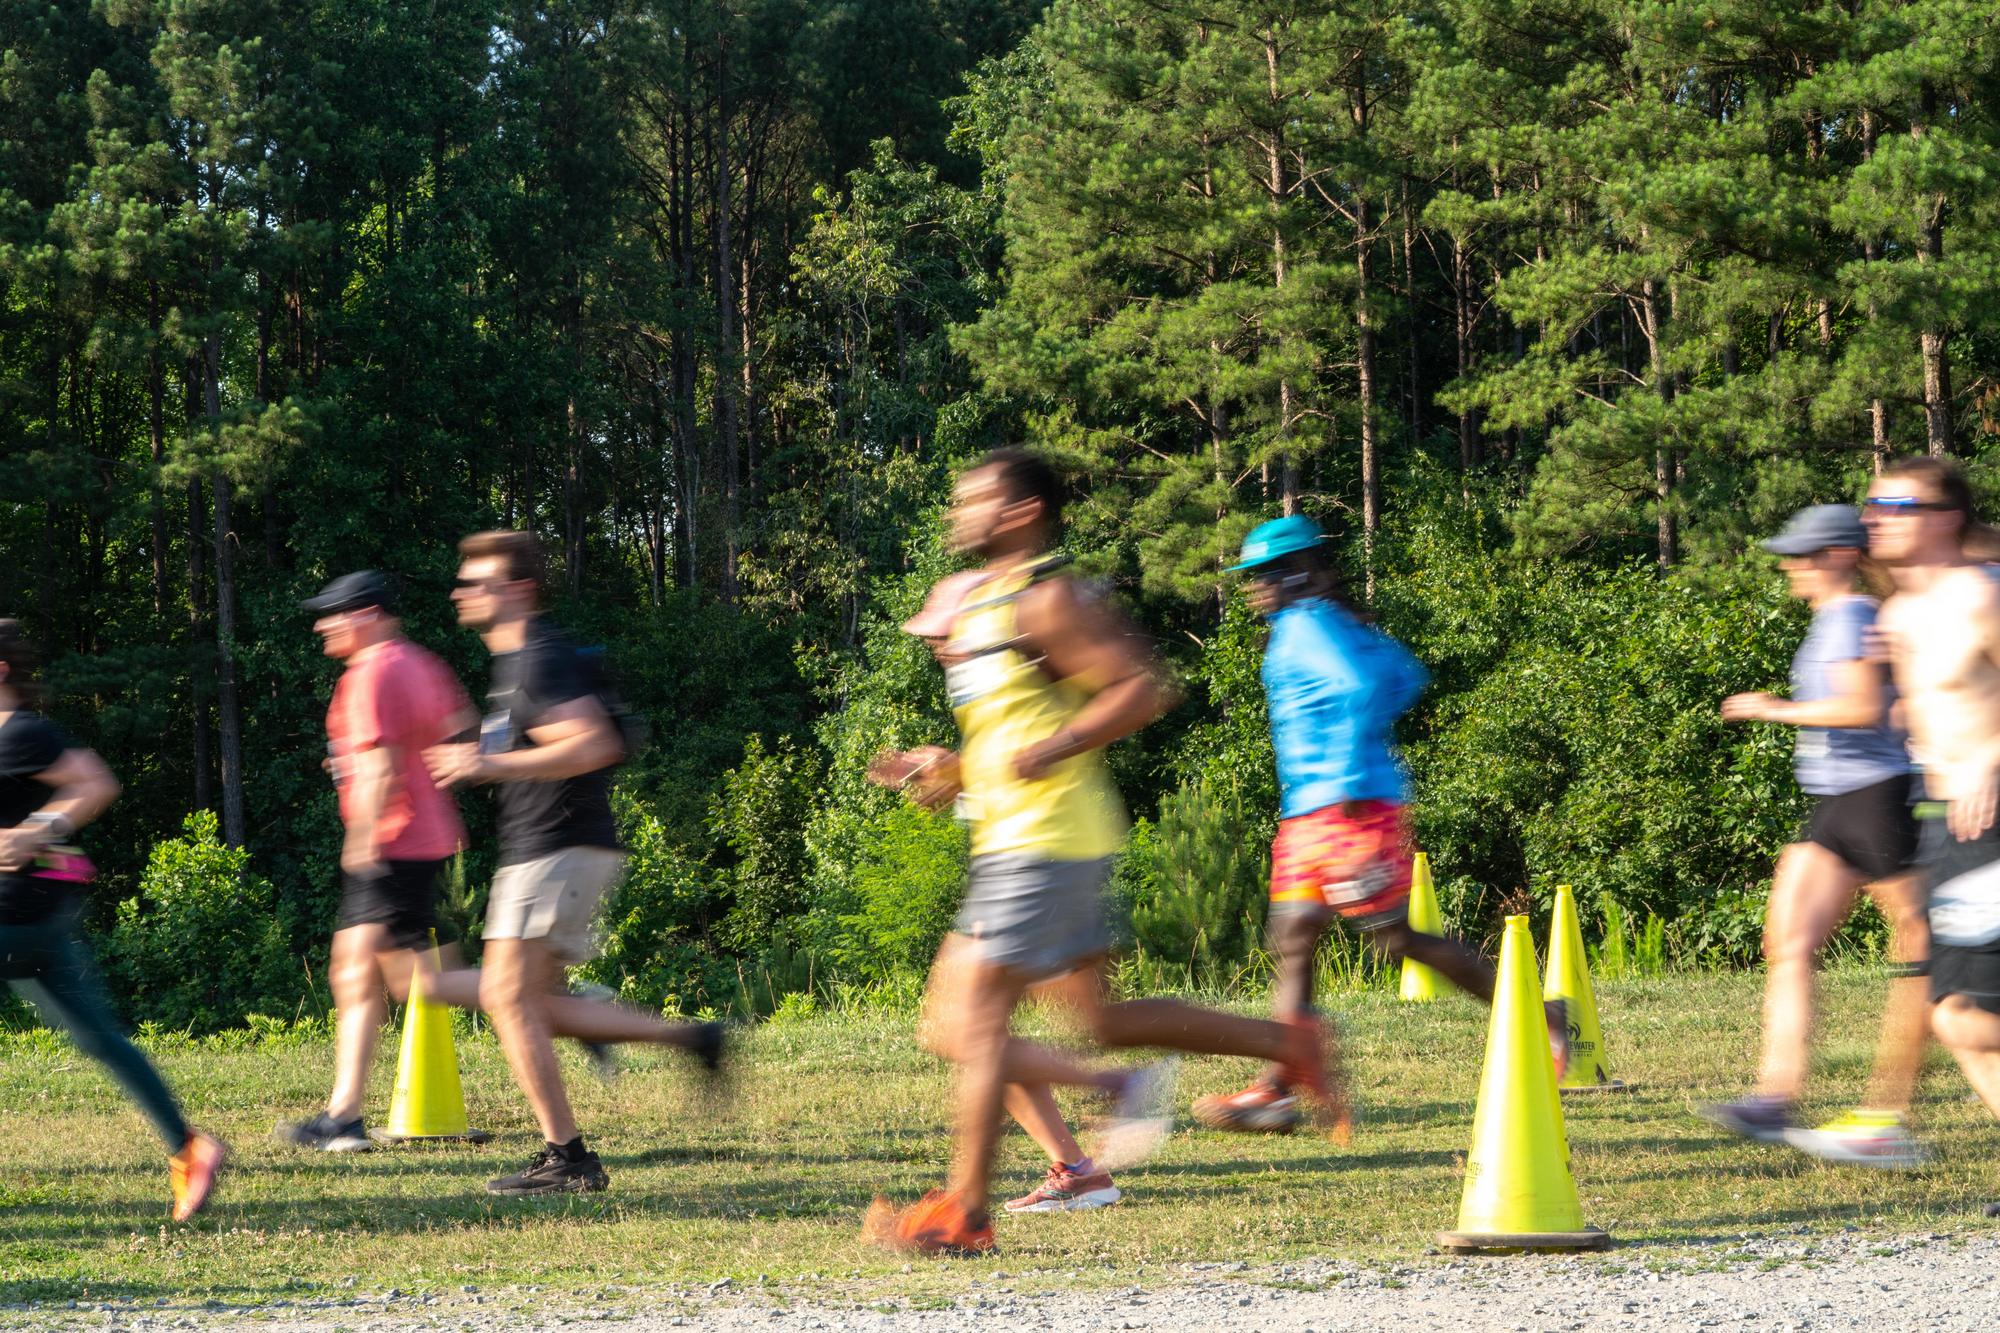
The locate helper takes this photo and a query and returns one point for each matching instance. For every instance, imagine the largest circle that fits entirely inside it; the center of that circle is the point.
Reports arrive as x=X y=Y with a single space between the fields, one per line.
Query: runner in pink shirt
x=394 y=700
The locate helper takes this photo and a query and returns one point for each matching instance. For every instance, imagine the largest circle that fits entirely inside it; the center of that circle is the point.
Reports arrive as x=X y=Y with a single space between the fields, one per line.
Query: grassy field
x=832 y=1109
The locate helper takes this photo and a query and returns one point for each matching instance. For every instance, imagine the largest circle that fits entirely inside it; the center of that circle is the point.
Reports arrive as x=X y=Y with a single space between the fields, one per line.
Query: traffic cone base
x=1421 y=984
x=1460 y=1242
x=383 y=1136
x=1610 y=1085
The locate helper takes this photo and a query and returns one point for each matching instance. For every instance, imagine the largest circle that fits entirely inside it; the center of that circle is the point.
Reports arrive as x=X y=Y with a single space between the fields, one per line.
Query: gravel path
x=1937 y=1282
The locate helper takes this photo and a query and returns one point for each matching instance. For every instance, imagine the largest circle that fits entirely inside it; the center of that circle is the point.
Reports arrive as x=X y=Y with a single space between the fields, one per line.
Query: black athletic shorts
x=403 y=898
x=1964 y=914
x=1871 y=829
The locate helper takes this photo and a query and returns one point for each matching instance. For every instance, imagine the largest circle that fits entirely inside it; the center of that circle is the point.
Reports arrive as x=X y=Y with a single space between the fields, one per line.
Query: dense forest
x=1545 y=307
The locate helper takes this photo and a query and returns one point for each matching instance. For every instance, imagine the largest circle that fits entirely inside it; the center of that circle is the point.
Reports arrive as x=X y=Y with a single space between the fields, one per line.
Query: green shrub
x=1193 y=882
x=655 y=949
x=206 y=941
x=907 y=884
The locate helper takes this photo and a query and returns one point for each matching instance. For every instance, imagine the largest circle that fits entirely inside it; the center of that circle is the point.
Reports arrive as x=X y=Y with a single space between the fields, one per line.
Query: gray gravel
x=1792 y=1282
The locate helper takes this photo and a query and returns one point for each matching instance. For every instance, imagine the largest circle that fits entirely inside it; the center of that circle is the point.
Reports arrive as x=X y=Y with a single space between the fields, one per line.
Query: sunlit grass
x=834 y=1108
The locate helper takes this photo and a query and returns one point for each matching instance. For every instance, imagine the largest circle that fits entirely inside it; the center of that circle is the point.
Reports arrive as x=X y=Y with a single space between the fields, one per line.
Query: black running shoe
x=323 y=1133
x=549 y=1172
x=710 y=1045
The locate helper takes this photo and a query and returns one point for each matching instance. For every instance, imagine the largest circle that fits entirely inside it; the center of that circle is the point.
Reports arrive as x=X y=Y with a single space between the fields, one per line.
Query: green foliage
x=906 y=887
x=206 y=942
x=654 y=950
x=760 y=815
x=1194 y=883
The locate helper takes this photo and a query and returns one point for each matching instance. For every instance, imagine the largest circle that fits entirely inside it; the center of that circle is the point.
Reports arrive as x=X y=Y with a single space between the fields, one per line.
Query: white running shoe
x=1862 y=1138
x=1142 y=1118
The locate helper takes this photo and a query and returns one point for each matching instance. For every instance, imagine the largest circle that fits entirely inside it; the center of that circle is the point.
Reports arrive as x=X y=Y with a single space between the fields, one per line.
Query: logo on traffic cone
x=1519 y=1194
x=1420 y=982
x=1569 y=981
x=429 y=1104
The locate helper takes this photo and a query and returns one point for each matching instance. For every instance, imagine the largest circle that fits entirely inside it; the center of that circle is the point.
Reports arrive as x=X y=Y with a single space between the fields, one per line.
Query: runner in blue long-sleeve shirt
x=1335 y=688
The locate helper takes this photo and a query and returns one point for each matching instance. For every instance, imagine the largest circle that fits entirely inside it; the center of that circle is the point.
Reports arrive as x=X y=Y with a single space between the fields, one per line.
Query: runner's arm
x=84 y=787
x=570 y=740
x=371 y=776
x=1857 y=701
x=1083 y=640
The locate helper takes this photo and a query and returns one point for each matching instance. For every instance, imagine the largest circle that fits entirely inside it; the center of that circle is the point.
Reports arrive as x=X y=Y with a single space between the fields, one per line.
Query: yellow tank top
x=1004 y=703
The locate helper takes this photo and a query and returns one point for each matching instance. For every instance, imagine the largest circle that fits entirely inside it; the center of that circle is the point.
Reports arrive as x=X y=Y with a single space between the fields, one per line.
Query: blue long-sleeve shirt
x=1335 y=688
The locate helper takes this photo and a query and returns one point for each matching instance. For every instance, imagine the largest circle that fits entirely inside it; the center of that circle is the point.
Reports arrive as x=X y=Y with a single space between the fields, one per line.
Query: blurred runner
x=1074 y=1181
x=1335 y=688
x=1942 y=627
x=1861 y=833
x=1042 y=677
x=49 y=788
x=549 y=745
x=393 y=701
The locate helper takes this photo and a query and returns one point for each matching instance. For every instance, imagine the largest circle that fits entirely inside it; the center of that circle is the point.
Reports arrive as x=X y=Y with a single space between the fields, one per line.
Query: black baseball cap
x=352 y=592
x=1817 y=528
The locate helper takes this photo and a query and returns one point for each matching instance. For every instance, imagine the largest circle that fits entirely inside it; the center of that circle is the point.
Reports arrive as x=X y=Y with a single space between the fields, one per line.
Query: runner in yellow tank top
x=1005 y=701
x=1042 y=677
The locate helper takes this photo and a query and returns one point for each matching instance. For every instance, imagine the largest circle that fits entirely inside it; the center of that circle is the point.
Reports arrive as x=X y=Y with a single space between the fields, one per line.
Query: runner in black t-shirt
x=49 y=788
x=549 y=745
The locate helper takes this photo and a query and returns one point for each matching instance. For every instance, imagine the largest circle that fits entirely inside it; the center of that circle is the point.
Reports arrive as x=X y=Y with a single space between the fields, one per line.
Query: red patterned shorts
x=1353 y=856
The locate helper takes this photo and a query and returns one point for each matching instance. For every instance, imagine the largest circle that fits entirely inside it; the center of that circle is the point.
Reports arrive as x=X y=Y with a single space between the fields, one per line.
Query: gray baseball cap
x=1818 y=527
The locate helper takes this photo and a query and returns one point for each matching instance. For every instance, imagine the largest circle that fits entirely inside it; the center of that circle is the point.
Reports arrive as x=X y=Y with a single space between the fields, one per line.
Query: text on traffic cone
x=1568 y=980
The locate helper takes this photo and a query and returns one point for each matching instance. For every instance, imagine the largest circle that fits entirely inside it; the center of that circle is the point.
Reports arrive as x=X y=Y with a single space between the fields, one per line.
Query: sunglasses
x=1903 y=504
x=463 y=585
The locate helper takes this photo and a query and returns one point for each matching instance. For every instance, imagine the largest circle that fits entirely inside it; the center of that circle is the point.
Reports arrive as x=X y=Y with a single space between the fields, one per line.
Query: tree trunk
x=1461 y=292
x=1274 y=166
x=1665 y=464
x=229 y=715
x=1871 y=250
x=1932 y=339
x=156 y=423
x=1364 y=323
x=727 y=440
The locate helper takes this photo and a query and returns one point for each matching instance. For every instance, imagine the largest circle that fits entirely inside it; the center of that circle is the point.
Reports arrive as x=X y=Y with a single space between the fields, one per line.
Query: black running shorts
x=402 y=897
x=1964 y=882
x=1872 y=829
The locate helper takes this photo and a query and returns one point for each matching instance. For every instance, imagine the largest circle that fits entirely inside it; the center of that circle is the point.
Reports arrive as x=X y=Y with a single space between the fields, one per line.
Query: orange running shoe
x=1314 y=1067
x=191 y=1173
x=1265 y=1107
x=935 y=1224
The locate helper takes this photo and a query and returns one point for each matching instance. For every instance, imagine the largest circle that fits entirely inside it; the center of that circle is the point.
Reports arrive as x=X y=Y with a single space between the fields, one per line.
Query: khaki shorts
x=554 y=899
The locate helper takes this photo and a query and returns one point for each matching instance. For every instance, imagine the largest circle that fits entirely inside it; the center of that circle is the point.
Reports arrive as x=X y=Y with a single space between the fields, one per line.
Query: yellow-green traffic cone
x=1519 y=1194
x=1420 y=982
x=429 y=1103
x=1568 y=980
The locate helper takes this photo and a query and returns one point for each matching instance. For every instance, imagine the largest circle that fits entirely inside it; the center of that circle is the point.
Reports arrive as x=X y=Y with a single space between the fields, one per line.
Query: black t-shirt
x=30 y=744
x=538 y=817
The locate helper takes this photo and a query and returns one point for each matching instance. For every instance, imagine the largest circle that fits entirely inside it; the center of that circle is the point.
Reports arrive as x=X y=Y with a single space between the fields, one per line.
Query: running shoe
x=1064 y=1191
x=936 y=1224
x=1862 y=1138
x=191 y=1173
x=1315 y=1068
x=1558 y=1016
x=1143 y=1116
x=1765 y=1119
x=1265 y=1107
x=603 y=1055
x=323 y=1133
x=711 y=1046
x=549 y=1172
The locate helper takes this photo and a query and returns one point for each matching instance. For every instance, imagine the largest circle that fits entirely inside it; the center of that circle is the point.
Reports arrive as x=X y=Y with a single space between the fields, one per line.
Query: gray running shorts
x=1034 y=915
x=554 y=899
